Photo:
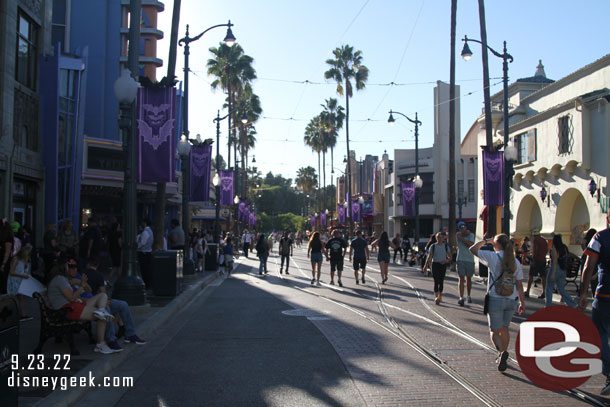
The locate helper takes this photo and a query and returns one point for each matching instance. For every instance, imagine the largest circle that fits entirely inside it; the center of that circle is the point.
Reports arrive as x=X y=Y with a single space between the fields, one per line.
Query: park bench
x=54 y=323
x=573 y=270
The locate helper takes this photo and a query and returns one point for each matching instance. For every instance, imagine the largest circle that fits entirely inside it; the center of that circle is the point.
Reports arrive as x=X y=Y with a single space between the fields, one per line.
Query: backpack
x=285 y=246
x=505 y=283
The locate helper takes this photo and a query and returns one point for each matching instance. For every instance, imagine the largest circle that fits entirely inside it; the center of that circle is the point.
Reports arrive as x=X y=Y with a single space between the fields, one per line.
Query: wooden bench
x=54 y=323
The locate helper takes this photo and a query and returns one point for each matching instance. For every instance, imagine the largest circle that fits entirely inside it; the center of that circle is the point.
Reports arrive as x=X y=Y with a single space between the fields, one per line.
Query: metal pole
x=217 y=222
x=130 y=287
x=508 y=164
x=416 y=189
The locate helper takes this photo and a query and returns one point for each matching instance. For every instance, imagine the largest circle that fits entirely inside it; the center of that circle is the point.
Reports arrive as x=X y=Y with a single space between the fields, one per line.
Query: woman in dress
x=501 y=308
x=557 y=275
x=19 y=271
x=383 y=257
x=314 y=252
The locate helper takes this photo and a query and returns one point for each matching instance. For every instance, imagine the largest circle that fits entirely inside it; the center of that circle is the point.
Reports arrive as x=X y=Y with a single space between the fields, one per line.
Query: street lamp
x=184 y=151
x=216 y=180
x=506 y=58
x=129 y=286
x=510 y=156
x=417 y=180
x=462 y=201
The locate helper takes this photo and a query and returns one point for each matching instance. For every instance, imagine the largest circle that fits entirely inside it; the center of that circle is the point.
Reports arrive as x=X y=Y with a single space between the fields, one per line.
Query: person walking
x=246 y=240
x=540 y=248
x=425 y=264
x=145 y=242
x=465 y=262
x=557 y=275
x=335 y=251
x=383 y=257
x=439 y=257
x=360 y=249
x=262 y=252
x=285 y=250
x=583 y=259
x=406 y=247
x=314 y=251
x=503 y=268
x=396 y=245
x=598 y=261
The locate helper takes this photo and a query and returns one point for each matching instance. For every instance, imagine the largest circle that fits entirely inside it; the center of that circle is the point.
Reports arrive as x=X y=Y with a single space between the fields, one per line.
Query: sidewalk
x=148 y=319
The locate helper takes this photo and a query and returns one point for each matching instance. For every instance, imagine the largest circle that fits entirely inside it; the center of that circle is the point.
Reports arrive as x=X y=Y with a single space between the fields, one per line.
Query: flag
x=155 y=147
x=493 y=178
x=408 y=198
x=356 y=211
x=341 y=213
x=226 y=187
x=312 y=219
x=323 y=219
x=200 y=162
x=241 y=211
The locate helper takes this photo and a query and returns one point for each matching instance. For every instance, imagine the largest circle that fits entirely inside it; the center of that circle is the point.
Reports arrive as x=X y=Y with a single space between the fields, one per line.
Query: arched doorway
x=528 y=217
x=572 y=218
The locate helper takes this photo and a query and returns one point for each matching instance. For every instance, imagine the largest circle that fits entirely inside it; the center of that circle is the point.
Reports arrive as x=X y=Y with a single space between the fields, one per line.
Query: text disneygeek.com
x=63 y=383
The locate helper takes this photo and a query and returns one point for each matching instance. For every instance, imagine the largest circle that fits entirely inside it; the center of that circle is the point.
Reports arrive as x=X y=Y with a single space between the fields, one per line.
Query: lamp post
x=461 y=201
x=417 y=180
x=184 y=151
x=510 y=156
x=360 y=202
x=229 y=40
x=216 y=180
x=506 y=58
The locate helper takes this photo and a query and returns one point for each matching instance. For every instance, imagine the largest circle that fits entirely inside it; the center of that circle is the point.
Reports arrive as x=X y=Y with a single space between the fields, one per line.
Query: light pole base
x=130 y=289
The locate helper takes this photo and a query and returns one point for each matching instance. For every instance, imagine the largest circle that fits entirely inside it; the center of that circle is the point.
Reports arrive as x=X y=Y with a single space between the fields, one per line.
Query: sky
x=405 y=42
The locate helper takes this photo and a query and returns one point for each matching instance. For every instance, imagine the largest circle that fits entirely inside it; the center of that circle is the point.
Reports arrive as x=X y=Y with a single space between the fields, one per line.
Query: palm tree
x=306 y=179
x=332 y=117
x=345 y=67
x=247 y=106
x=313 y=139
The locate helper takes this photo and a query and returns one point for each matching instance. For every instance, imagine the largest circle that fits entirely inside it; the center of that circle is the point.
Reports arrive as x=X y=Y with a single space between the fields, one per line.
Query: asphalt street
x=277 y=340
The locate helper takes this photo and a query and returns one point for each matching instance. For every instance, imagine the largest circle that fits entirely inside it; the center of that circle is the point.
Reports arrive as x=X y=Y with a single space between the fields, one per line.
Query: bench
x=54 y=323
x=573 y=270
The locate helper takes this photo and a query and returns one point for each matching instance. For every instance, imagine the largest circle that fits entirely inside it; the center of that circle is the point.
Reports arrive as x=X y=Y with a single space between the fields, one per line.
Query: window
x=58 y=33
x=460 y=191
x=426 y=193
x=565 y=135
x=526 y=147
x=27 y=52
x=470 y=190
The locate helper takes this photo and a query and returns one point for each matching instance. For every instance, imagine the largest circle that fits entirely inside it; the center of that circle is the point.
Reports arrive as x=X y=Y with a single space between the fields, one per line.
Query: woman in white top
x=501 y=308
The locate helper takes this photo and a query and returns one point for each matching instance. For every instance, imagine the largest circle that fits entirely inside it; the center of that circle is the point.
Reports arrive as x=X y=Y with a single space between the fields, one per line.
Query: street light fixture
x=216 y=180
x=417 y=180
x=129 y=286
x=506 y=58
x=184 y=151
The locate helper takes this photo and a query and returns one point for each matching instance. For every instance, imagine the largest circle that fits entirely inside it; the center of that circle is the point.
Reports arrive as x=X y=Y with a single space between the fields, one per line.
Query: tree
x=223 y=164
x=306 y=179
x=313 y=139
x=345 y=68
x=332 y=117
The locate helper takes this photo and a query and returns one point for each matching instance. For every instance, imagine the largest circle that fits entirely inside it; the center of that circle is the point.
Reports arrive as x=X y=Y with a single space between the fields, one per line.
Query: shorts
x=76 y=309
x=228 y=259
x=383 y=257
x=316 y=257
x=501 y=311
x=359 y=263
x=336 y=265
x=465 y=268
x=538 y=268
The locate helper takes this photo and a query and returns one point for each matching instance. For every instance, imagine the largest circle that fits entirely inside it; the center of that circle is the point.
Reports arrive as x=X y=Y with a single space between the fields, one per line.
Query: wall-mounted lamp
x=544 y=195
x=595 y=187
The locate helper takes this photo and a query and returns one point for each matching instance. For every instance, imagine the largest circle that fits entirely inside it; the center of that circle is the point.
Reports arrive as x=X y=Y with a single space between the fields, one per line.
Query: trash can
x=9 y=345
x=167 y=272
x=211 y=257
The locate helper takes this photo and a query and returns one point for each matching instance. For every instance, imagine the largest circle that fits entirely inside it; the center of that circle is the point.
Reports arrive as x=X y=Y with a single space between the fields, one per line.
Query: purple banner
x=323 y=219
x=226 y=187
x=408 y=198
x=156 y=150
x=341 y=213
x=312 y=219
x=252 y=219
x=201 y=160
x=493 y=178
x=356 y=211
x=241 y=211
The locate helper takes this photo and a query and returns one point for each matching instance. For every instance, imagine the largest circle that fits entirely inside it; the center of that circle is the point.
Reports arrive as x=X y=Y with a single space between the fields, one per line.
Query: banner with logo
x=493 y=178
x=155 y=147
x=226 y=187
x=408 y=198
x=252 y=218
x=312 y=219
x=341 y=213
x=323 y=219
x=241 y=211
x=201 y=165
x=356 y=211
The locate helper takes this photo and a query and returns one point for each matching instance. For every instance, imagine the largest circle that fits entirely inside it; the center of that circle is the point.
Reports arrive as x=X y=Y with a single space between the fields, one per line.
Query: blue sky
x=406 y=42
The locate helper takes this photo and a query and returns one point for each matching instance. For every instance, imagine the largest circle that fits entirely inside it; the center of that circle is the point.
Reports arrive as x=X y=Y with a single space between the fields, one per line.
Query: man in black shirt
x=335 y=251
x=360 y=248
x=96 y=281
x=285 y=250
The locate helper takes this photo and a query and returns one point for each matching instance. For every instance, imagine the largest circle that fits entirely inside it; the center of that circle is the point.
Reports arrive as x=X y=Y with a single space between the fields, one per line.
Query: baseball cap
x=71 y=263
x=461 y=225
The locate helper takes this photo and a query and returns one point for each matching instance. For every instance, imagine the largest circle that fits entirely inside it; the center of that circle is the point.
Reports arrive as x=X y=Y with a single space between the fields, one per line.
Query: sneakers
x=332 y=282
x=103 y=315
x=469 y=300
x=287 y=272
x=606 y=390
x=363 y=280
x=26 y=318
x=103 y=348
x=357 y=281
x=340 y=283
x=461 y=302
x=318 y=283
x=313 y=280
x=541 y=296
x=135 y=339
x=437 y=300
x=280 y=271
x=114 y=346
x=503 y=364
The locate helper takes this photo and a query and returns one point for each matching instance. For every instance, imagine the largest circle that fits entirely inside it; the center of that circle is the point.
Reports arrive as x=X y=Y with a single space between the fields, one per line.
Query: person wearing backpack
x=439 y=258
x=557 y=275
x=505 y=274
x=285 y=249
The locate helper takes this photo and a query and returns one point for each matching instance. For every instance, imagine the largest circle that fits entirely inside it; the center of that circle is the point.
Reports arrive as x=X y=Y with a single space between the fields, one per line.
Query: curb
x=105 y=365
